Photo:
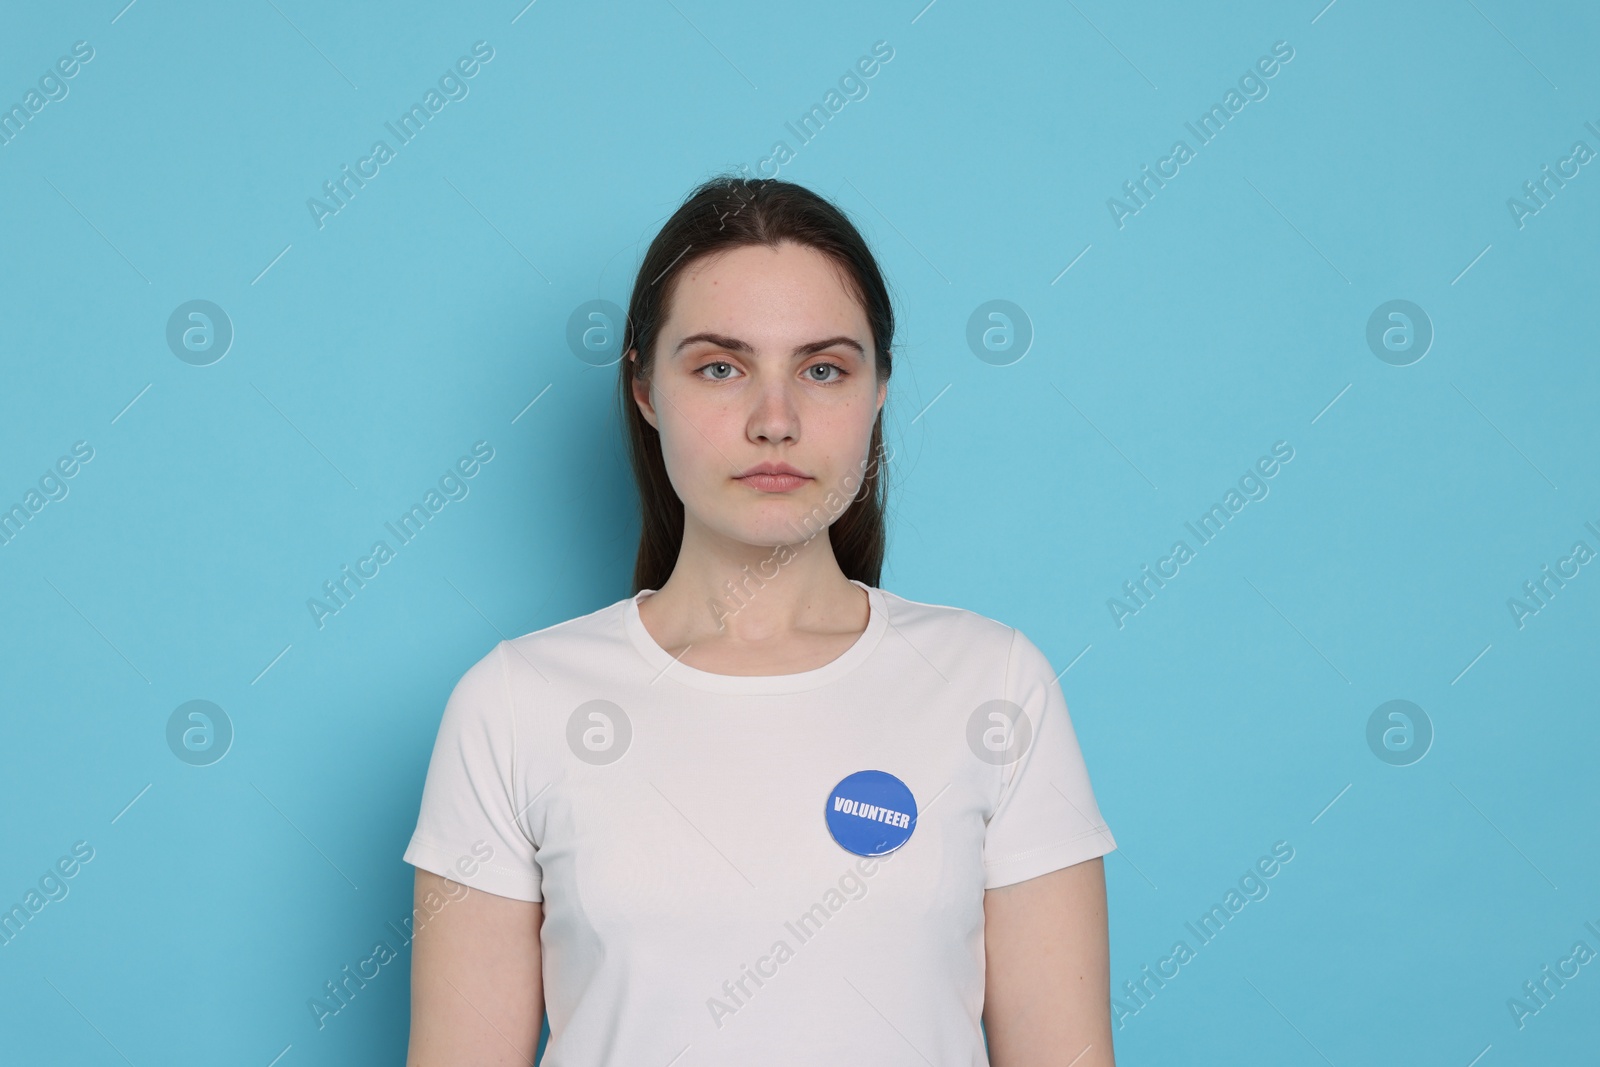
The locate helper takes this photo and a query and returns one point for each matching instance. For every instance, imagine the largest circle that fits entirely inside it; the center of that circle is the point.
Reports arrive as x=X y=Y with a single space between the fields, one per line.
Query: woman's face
x=765 y=357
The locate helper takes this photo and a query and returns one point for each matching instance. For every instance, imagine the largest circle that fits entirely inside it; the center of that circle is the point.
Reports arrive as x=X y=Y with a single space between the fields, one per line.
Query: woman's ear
x=641 y=391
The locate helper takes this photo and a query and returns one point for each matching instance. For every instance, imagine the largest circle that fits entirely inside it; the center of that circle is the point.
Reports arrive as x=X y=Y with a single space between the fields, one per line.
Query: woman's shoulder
x=957 y=628
x=601 y=620
x=570 y=641
x=903 y=611
x=956 y=634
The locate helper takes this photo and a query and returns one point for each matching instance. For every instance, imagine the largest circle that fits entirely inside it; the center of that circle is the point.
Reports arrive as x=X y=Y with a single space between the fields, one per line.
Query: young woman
x=762 y=811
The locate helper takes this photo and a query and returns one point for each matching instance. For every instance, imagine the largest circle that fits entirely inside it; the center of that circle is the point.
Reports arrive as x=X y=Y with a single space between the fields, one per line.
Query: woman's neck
x=774 y=609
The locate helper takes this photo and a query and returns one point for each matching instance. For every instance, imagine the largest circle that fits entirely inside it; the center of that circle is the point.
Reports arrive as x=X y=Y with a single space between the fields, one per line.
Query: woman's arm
x=1047 y=997
x=476 y=988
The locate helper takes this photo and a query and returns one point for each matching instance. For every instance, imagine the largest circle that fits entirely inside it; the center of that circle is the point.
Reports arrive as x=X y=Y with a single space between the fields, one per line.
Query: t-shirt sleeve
x=1047 y=817
x=470 y=827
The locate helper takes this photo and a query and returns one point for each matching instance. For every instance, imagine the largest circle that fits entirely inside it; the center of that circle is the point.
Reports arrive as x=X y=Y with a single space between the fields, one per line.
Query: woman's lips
x=773 y=483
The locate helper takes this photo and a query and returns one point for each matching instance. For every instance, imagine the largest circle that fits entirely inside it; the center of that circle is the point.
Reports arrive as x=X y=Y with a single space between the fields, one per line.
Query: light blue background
x=1228 y=314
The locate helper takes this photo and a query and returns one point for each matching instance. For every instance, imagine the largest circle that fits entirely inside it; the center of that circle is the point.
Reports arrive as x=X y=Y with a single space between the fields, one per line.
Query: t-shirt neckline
x=662 y=662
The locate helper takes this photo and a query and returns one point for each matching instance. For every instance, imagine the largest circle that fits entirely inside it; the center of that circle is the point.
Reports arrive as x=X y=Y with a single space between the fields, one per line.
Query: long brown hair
x=722 y=213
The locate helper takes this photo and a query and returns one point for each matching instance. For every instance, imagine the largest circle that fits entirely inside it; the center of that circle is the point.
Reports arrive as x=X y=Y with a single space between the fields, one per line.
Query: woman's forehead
x=779 y=295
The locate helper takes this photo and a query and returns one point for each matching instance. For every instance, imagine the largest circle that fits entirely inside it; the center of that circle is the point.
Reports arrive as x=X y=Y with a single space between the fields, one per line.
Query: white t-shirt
x=698 y=909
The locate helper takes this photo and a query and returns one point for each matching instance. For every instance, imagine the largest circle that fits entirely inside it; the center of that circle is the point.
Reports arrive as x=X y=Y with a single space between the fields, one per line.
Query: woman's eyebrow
x=733 y=344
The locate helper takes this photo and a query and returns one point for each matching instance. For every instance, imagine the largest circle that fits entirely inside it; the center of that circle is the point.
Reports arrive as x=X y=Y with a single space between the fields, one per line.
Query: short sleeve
x=1047 y=817
x=469 y=828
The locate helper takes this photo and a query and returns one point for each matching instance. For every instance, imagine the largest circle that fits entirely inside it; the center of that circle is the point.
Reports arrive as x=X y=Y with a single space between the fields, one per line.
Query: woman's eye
x=721 y=370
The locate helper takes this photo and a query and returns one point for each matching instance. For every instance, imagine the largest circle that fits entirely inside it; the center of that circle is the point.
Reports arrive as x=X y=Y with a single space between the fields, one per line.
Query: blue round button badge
x=871 y=813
